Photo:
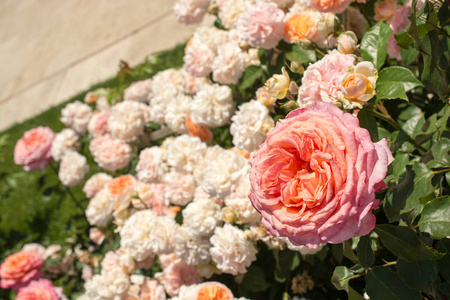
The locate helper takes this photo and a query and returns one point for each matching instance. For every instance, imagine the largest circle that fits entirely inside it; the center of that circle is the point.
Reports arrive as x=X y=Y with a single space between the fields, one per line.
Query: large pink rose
x=19 y=269
x=33 y=149
x=314 y=179
x=42 y=289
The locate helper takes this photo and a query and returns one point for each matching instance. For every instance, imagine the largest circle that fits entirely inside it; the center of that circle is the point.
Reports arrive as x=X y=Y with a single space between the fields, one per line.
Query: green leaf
x=368 y=121
x=435 y=218
x=441 y=154
x=364 y=251
x=404 y=243
x=404 y=196
x=348 y=252
x=383 y=284
x=286 y=261
x=302 y=55
x=337 y=251
x=399 y=164
x=251 y=75
x=341 y=277
x=255 y=279
x=374 y=44
x=394 y=82
x=404 y=40
x=444 y=263
x=444 y=13
x=354 y=295
x=435 y=66
x=408 y=56
x=391 y=91
x=424 y=271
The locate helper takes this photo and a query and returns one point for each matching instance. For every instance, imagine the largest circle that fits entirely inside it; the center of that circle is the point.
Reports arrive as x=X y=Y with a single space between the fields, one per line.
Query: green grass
x=34 y=207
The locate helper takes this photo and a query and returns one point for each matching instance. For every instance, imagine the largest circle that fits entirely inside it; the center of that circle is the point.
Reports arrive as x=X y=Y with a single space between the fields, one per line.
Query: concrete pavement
x=52 y=49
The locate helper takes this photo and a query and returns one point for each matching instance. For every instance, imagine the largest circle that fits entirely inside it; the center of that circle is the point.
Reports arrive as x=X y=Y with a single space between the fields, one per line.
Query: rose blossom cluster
x=23 y=272
x=179 y=173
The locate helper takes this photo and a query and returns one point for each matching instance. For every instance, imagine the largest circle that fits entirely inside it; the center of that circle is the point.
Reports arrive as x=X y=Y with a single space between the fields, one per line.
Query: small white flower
x=64 y=141
x=73 y=168
x=76 y=115
x=213 y=105
x=231 y=252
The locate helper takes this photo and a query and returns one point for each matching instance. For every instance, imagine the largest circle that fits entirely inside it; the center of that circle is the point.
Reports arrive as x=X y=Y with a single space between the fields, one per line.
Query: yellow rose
x=278 y=84
x=358 y=84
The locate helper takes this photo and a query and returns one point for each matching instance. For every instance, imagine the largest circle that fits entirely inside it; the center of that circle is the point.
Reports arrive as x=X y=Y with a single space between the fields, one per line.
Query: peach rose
x=300 y=27
x=314 y=179
x=334 y=6
x=42 y=289
x=386 y=10
x=213 y=290
x=199 y=131
x=33 y=149
x=19 y=269
x=179 y=273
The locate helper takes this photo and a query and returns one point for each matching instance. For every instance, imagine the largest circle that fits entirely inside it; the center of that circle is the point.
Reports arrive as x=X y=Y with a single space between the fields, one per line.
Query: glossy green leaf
x=435 y=73
x=374 y=44
x=424 y=271
x=441 y=154
x=391 y=91
x=409 y=55
x=341 y=277
x=405 y=196
x=404 y=243
x=251 y=75
x=435 y=218
x=365 y=252
x=368 y=121
x=302 y=55
x=383 y=284
x=404 y=40
x=394 y=82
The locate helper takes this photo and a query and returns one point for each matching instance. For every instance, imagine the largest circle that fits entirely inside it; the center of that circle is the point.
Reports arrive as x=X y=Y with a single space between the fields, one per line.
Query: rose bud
x=278 y=84
x=297 y=67
x=346 y=42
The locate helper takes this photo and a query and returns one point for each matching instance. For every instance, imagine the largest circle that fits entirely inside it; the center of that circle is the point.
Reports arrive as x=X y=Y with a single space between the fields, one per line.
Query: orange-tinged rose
x=19 y=269
x=118 y=185
x=386 y=10
x=214 y=291
x=199 y=131
x=299 y=27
